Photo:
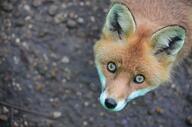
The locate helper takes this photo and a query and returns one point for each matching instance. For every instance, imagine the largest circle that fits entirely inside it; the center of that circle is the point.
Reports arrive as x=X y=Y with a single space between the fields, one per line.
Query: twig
x=27 y=111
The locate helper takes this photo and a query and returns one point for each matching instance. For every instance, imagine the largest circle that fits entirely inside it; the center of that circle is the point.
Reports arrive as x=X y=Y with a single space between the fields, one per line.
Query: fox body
x=140 y=43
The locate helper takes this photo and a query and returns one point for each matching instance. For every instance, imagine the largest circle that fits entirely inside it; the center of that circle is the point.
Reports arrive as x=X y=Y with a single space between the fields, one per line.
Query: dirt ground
x=48 y=77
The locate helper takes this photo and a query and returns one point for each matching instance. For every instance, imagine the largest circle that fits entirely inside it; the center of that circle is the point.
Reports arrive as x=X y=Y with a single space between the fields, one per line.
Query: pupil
x=111 y=66
x=139 y=79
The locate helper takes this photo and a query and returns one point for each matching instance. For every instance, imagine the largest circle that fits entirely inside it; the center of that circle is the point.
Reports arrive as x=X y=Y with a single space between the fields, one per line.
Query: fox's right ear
x=119 y=22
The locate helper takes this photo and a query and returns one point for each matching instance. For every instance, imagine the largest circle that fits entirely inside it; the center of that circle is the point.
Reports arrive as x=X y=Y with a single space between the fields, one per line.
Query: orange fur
x=131 y=57
x=135 y=53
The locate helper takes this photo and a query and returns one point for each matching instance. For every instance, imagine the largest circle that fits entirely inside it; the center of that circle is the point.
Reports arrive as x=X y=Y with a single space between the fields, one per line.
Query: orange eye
x=138 y=79
x=112 y=67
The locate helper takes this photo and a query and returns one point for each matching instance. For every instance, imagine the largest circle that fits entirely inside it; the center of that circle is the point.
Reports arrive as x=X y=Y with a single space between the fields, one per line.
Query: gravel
x=48 y=77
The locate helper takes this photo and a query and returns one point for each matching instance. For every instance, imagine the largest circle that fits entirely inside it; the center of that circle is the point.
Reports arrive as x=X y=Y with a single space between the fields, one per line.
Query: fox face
x=133 y=60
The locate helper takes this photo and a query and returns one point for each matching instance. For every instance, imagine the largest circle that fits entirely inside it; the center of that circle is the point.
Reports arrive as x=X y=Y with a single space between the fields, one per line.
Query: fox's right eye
x=111 y=67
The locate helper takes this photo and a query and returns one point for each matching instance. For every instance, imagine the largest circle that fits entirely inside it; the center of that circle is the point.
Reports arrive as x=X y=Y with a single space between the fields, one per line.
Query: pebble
x=15 y=124
x=7 y=7
x=26 y=123
x=86 y=103
x=36 y=3
x=3 y=117
x=52 y=10
x=188 y=120
x=19 y=23
x=39 y=87
x=92 y=18
x=60 y=18
x=159 y=110
x=71 y=23
x=65 y=59
x=43 y=33
x=72 y=15
x=5 y=110
x=57 y=115
x=80 y=20
x=27 y=8
x=85 y=123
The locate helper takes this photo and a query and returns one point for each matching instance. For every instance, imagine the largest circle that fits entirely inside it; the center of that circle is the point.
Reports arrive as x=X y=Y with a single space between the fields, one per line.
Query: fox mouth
x=111 y=104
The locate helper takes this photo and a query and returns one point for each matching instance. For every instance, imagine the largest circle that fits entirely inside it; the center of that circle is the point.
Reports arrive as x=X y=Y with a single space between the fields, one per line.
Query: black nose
x=110 y=103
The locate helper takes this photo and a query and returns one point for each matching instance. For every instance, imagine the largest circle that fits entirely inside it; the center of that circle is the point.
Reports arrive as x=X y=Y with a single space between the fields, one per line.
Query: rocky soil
x=48 y=78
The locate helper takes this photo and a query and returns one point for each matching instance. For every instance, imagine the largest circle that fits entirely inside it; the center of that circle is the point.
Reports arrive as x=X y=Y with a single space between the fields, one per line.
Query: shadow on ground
x=48 y=78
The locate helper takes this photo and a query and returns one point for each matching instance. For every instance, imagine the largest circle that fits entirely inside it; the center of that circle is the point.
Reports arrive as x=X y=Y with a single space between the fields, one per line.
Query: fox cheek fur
x=133 y=59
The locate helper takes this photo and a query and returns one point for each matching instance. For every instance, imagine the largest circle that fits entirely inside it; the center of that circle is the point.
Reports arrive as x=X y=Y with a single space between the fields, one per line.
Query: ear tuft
x=168 y=40
x=119 y=21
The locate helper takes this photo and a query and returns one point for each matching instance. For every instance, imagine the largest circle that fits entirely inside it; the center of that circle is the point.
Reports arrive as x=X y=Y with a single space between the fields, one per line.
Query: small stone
x=15 y=124
x=87 y=3
x=80 y=20
x=52 y=10
x=79 y=94
x=71 y=23
x=27 y=8
x=82 y=3
x=16 y=60
x=26 y=123
x=43 y=33
x=159 y=110
x=72 y=15
x=36 y=3
x=65 y=59
x=60 y=18
x=30 y=26
x=188 y=120
x=64 y=5
x=55 y=102
x=3 y=117
x=17 y=40
x=5 y=110
x=85 y=123
x=92 y=18
x=86 y=103
x=19 y=23
x=57 y=115
x=7 y=7
x=39 y=87
x=64 y=80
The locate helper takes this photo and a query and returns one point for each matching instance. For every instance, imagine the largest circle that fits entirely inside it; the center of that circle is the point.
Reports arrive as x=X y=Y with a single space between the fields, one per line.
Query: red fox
x=140 y=43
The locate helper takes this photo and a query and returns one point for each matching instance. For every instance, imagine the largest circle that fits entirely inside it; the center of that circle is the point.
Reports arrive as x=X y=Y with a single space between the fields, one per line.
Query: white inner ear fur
x=125 y=19
x=161 y=39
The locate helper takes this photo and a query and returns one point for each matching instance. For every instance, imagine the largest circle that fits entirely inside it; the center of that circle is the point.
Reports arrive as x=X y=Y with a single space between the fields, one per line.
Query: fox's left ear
x=168 y=41
x=119 y=22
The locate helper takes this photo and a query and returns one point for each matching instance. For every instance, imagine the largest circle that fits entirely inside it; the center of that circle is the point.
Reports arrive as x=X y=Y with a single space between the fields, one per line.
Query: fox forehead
x=131 y=52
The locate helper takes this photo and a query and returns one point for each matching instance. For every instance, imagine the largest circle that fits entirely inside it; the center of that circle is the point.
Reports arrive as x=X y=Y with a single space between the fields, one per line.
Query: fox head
x=132 y=60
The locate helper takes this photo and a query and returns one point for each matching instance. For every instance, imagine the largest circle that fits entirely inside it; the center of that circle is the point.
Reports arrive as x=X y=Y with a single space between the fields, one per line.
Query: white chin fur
x=121 y=104
x=140 y=92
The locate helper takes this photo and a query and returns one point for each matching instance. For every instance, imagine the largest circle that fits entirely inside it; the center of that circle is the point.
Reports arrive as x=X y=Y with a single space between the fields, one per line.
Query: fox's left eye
x=139 y=79
x=111 y=67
